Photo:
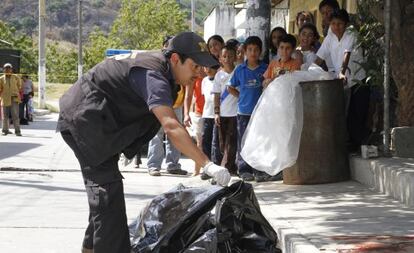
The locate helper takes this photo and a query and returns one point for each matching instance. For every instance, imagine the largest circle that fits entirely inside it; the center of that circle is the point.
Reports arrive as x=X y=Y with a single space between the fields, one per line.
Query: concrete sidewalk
x=44 y=206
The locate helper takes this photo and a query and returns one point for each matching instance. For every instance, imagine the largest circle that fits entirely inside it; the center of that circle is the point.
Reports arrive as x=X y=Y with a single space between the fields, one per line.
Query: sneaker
x=247 y=176
x=177 y=171
x=204 y=176
x=261 y=178
x=6 y=132
x=277 y=177
x=155 y=172
x=18 y=134
x=213 y=182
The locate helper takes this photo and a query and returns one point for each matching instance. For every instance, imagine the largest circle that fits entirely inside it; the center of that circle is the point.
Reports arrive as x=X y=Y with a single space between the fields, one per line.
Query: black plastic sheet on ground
x=204 y=220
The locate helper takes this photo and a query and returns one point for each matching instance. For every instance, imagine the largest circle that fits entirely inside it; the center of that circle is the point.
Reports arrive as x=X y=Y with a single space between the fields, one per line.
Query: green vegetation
x=144 y=24
x=20 y=42
x=140 y=25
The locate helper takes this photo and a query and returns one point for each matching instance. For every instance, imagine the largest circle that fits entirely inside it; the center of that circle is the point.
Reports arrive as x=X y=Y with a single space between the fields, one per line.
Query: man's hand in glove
x=220 y=174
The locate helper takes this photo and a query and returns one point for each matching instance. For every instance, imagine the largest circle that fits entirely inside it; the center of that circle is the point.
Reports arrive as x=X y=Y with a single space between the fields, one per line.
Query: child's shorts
x=197 y=125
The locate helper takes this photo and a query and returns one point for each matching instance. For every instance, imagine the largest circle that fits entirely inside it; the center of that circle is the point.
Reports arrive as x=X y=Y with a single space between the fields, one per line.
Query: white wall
x=279 y=14
x=210 y=25
x=240 y=23
x=221 y=21
x=225 y=15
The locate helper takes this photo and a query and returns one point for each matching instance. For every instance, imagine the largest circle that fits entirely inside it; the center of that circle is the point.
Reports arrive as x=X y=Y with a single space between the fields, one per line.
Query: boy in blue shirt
x=246 y=84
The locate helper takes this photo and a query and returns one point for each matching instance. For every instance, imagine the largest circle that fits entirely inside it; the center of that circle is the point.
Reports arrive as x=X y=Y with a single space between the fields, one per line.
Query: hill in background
x=62 y=15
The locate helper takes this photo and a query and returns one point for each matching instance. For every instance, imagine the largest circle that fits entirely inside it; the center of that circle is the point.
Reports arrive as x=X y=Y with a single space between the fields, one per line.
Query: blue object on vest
x=112 y=52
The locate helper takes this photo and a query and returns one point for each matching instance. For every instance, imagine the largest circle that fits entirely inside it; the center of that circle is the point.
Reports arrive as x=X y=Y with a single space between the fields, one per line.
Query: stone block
x=402 y=139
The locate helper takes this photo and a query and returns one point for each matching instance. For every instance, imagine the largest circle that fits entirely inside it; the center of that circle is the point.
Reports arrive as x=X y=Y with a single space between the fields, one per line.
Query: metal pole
x=42 y=57
x=192 y=16
x=80 y=58
x=387 y=24
x=258 y=22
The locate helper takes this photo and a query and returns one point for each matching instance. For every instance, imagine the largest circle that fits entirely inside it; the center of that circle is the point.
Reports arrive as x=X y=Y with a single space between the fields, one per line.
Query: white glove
x=220 y=174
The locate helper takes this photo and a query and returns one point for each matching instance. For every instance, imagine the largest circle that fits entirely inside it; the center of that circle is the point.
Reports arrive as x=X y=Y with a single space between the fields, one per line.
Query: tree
x=61 y=64
x=142 y=24
x=23 y=43
x=94 y=50
x=401 y=53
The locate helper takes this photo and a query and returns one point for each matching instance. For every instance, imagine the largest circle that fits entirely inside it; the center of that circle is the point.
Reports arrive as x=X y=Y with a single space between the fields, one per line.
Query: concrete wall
x=225 y=15
x=210 y=25
x=280 y=15
x=221 y=21
x=240 y=24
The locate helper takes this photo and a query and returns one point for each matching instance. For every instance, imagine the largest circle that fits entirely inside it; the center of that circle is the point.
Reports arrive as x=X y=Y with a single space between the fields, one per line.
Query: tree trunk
x=402 y=58
x=258 y=22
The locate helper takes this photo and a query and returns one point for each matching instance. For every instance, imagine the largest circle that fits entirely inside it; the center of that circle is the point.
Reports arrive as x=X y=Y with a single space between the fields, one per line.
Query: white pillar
x=42 y=54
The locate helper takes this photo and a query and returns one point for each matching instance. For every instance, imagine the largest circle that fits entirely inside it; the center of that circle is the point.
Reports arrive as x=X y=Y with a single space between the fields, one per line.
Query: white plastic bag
x=272 y=138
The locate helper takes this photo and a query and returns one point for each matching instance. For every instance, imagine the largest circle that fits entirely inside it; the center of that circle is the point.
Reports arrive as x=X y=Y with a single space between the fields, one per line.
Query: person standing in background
x=24 y=111
x=10 y=86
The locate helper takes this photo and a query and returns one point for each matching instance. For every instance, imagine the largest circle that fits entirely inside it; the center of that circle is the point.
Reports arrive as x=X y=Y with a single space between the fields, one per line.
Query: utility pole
x=258 y=14
x=387 y=26
x=192 y=15
x=80 y=58
x=42 y=55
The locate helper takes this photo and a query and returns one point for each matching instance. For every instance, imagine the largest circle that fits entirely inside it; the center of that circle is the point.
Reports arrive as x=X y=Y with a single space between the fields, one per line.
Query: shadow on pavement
x=28 y=184
x=10 y=149
x=334 y=210
x=47 y=122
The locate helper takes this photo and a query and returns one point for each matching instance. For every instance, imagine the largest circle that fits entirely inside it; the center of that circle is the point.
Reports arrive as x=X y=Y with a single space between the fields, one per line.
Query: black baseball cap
x=192 y=46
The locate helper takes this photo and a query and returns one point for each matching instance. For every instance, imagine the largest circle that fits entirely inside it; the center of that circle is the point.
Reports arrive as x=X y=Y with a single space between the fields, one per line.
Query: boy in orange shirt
x=286 y=63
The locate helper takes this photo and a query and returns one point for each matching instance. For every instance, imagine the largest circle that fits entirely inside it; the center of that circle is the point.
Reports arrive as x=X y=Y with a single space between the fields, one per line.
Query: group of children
x=231 y=90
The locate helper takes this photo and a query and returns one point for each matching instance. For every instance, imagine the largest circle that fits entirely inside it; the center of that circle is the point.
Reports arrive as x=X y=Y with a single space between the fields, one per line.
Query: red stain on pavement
x=375 y=244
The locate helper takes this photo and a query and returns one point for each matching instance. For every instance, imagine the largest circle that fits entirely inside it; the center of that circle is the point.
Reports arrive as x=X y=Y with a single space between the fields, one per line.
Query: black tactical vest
x=104 y=114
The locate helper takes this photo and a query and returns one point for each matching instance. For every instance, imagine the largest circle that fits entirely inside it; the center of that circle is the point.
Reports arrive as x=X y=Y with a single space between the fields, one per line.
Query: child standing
x=193 y=111
x=225 y=110
x=208 y=110
x=275 y=35
x=240 y=54
x=340 y=46
x=308 y=36
x=246 y=85
x=286 y=63
x=215 y=43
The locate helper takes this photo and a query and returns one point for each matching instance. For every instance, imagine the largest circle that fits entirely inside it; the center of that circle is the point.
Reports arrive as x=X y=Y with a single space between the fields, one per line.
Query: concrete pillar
x=258 y=22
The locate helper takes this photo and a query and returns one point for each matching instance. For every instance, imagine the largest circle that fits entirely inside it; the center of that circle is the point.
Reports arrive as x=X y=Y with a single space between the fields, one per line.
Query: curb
x=391 y=176
x=36 y=170
x=41 y=112
x=290 y=239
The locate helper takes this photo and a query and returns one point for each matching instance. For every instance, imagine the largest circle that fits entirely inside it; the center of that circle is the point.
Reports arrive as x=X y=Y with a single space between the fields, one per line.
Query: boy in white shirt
x=341 y=47
x=225 y=110
x=208 y=111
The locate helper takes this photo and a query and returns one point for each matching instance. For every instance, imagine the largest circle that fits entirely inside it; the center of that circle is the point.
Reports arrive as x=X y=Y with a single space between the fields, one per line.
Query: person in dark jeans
x=24 y=111
x=246 y=84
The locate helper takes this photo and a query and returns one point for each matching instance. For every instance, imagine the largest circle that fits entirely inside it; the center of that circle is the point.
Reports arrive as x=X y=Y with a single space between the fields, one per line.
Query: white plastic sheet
x=272 y=138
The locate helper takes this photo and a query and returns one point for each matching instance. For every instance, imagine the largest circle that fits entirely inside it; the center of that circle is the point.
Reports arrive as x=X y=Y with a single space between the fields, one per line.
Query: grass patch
x=53 y=90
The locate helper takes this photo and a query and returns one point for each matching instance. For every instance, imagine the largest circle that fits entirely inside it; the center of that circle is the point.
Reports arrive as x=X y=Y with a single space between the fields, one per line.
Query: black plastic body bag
x=209 y=219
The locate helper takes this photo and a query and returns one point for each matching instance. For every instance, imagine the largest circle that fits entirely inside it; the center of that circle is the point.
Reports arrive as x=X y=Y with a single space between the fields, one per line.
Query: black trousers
x=242 y=122
x=107 y=230
x=228 y=142
x=24 y=107
x=210 y=141
x=357 y=116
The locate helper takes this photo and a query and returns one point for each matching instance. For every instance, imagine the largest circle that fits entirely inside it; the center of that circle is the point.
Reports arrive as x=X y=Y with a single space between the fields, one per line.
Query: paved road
x=44 y=208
